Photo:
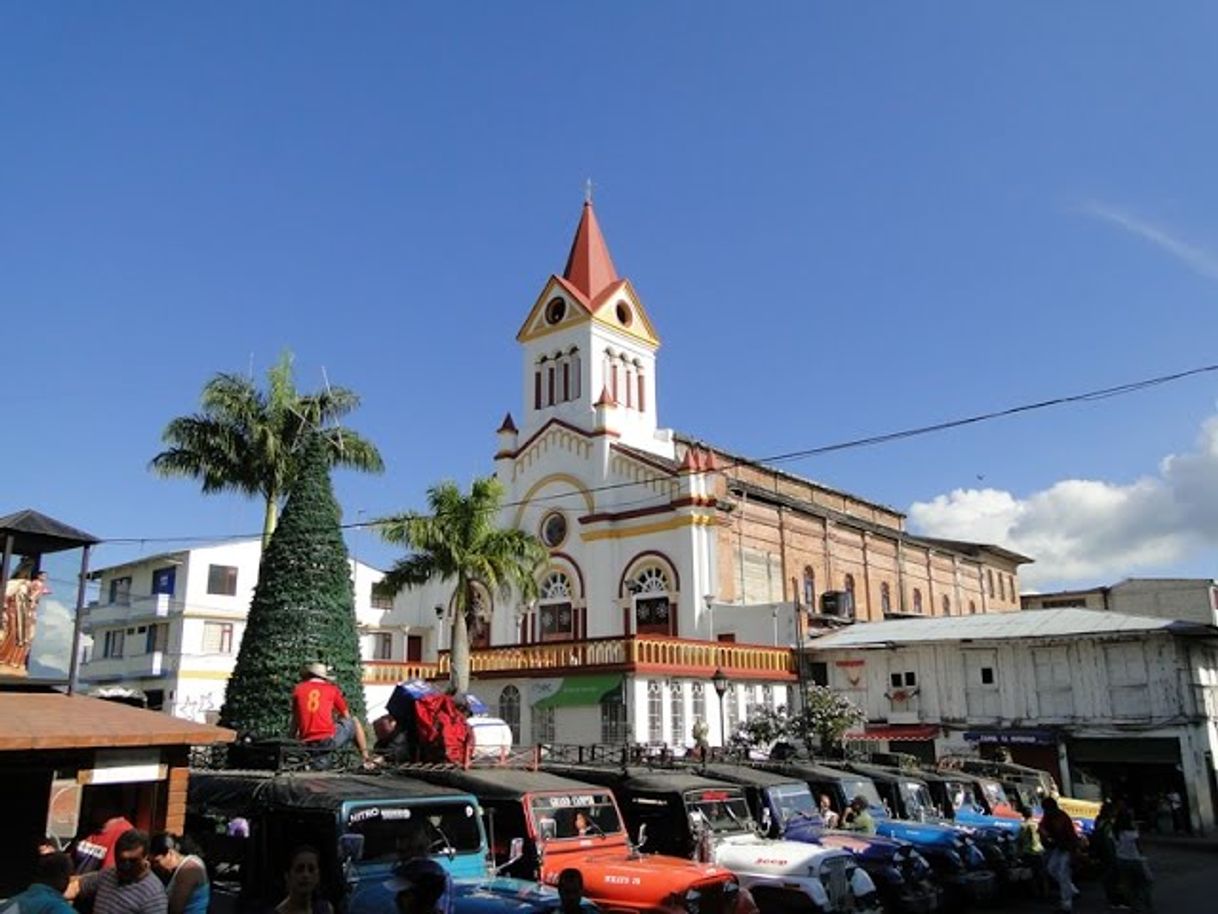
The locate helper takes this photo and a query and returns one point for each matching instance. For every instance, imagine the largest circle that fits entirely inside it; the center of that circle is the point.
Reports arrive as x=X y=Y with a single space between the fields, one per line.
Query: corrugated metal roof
x=1042 y=623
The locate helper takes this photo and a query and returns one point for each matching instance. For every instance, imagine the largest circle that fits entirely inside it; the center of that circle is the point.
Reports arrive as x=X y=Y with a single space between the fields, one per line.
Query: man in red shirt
x=316 y=702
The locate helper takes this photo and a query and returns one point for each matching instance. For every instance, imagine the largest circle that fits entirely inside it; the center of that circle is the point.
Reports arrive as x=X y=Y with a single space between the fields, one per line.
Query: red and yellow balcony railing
x=653 y=654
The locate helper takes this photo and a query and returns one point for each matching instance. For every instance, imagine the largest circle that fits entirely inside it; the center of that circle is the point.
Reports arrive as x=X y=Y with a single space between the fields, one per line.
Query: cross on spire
x=588 y=191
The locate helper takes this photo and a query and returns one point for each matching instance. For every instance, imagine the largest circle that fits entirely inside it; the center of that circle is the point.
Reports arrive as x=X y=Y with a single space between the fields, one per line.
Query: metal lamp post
x=719 y=681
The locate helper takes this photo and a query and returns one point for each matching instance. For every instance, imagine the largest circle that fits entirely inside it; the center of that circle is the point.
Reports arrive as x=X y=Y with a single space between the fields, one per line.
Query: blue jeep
x=362 y=825
x=958 y=864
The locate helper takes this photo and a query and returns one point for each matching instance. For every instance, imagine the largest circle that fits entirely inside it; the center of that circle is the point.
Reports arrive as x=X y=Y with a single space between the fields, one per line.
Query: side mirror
x=767 y=820
x=642 y=835
x=514 y=854
x=351 y=848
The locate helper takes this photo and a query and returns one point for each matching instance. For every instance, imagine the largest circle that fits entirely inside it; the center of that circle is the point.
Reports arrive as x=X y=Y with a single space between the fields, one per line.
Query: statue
x=19 y=619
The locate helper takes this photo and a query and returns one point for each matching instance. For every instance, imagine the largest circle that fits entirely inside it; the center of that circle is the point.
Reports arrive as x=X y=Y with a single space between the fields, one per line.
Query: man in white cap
x=316 y=703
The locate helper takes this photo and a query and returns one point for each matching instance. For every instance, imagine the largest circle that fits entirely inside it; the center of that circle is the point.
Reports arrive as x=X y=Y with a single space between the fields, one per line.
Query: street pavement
x=1185 y=882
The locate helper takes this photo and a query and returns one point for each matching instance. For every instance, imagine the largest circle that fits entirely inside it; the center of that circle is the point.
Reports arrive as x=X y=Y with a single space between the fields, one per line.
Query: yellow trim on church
x=577 y=484
x=676 y=523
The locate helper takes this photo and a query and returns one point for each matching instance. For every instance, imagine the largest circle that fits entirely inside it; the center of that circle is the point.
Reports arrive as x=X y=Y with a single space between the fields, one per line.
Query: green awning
x=577 y=691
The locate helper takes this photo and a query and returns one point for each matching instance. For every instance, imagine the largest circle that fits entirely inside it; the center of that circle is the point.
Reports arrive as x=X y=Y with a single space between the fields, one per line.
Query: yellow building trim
x=676 y=523
x=530 y=329
x=546 y=330
x=204 y=674
x=578 y=485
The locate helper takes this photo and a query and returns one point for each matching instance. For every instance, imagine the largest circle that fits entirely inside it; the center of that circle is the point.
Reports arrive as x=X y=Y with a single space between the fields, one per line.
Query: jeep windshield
x=861 y=787
x=725 y=811
x=557 y=816
x=392 y=832
x=792 y=801
x=994 y=794
x=918 y=803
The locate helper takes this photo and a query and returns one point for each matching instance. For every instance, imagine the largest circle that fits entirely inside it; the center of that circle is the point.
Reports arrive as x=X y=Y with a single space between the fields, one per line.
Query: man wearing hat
x=316 y=702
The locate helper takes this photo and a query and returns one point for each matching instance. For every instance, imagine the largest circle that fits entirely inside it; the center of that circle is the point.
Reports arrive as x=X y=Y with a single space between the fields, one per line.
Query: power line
x=1102 y=393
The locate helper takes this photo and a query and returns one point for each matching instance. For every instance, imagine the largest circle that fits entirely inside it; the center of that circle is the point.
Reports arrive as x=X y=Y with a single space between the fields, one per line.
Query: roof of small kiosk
x=48 y=719
x=35 y=534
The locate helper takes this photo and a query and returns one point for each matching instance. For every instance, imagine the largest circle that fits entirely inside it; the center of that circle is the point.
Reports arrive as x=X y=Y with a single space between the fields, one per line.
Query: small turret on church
x=587 y=335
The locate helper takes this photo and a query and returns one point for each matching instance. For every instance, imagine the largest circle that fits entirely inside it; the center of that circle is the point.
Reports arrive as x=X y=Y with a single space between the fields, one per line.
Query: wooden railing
x=391 y=672
x=645 y=653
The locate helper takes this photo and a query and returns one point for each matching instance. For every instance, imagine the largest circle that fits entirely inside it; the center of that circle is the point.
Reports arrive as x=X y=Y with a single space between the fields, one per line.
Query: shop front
x=68 y=761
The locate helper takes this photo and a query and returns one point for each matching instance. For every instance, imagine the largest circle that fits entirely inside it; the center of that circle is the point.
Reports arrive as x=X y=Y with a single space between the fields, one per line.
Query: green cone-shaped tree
x=303 y=609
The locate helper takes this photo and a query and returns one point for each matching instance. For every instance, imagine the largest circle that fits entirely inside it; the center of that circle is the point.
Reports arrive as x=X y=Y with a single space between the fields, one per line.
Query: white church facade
x=669 y=559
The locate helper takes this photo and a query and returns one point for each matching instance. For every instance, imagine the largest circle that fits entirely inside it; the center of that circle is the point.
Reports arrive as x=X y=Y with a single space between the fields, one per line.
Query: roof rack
x=527 y=758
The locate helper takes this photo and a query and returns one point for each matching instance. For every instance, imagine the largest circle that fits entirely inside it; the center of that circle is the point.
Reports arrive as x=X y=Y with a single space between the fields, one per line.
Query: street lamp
x=719 y=681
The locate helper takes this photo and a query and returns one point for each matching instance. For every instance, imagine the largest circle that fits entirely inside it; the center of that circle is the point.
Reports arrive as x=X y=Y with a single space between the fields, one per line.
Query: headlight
x=692 y=901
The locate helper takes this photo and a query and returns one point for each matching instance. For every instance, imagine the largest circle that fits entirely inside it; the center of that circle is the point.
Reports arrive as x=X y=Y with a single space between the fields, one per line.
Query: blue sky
x=843 y=218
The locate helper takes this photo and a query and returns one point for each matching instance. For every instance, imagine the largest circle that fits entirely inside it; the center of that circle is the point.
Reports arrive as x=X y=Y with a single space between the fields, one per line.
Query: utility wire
x=1102 y=393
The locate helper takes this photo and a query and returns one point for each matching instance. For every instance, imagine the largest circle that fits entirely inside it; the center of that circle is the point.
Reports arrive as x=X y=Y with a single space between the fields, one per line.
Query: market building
x=1108 y=703
x=1186 y=599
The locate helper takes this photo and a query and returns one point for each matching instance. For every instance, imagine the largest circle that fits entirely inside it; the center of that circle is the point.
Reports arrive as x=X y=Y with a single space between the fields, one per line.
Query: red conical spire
x=589 y=267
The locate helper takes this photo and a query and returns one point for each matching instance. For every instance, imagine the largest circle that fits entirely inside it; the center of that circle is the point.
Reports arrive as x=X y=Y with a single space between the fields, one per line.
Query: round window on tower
x=553 y=529
x=625 y=316
x=556 y=310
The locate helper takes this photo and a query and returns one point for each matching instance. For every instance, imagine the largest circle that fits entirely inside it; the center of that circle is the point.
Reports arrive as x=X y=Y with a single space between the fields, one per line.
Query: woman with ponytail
x=184 y=874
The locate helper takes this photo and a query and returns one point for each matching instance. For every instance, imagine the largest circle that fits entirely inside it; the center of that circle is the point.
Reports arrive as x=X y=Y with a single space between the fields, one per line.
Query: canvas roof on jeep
x=504 y=783
x=236 y=791
x=753 y=777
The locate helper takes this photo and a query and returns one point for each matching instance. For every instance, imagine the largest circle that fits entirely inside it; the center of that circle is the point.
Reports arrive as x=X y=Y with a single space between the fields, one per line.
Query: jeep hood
x=747 y=854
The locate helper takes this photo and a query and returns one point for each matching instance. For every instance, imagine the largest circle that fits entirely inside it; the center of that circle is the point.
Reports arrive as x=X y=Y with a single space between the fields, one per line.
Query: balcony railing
x=642 y=653
x=135 y=609
x=134 y=666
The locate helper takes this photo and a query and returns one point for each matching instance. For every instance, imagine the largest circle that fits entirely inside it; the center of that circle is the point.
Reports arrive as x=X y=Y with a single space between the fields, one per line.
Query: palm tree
x=249 y=441
x=459 y=541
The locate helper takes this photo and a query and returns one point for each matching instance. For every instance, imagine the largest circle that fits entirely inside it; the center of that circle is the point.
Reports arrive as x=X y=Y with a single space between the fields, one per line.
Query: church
x=675 y=566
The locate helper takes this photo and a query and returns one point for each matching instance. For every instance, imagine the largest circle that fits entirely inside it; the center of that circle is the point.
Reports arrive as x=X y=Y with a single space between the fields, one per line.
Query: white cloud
x=1089 y=531
x=52 y=648
x=1197 y=258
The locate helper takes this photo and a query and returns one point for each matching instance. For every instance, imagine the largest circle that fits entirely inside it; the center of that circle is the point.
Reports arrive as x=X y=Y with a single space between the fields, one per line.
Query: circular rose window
x=624 y=315
x=556 y=310
x=553 y=529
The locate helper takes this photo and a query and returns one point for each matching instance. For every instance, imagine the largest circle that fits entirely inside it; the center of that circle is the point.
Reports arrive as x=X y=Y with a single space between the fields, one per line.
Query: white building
x=1126 y=702
x=1187 y=599
x=170 y=625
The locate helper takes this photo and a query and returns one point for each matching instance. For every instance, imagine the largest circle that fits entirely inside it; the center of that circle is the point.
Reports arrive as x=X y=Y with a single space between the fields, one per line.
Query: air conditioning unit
x=839 y=603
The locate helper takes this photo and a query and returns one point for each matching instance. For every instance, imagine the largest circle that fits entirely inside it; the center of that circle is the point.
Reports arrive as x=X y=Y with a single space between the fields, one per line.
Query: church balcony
x=645 y=654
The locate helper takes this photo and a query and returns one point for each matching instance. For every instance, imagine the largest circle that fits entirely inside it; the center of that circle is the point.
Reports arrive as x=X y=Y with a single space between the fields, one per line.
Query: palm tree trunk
x=459 y=649
x=268 y=521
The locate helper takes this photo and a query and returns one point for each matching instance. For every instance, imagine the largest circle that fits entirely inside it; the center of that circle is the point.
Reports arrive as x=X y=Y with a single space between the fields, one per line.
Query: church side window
x=555 y=608
x=947 y=605
x=509 y=710
x=655 y=712
x=576 y=374
x=809 y=587
x=642 y=394
x=731 y=712
x=551 y=384
x=629 y=386
x=885 y=598
x=537 y=389
x=653 y=610
x=917 y=600
x=566 y=380
x=613 y=718
x=677 y=712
